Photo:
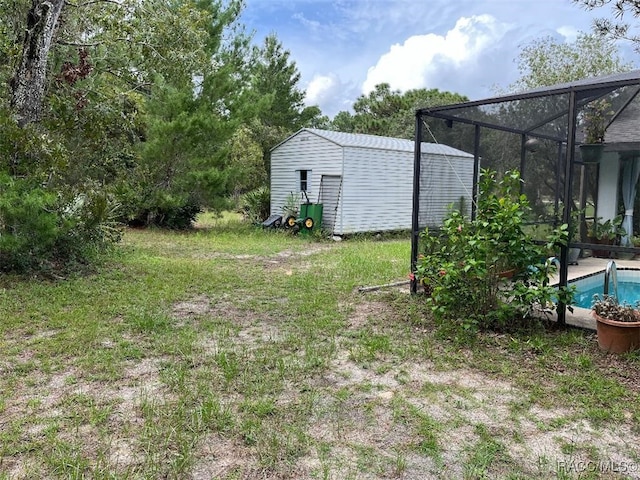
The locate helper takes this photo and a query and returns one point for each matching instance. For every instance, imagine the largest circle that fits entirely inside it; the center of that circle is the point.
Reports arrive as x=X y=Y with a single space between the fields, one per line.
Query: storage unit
x=365 y=181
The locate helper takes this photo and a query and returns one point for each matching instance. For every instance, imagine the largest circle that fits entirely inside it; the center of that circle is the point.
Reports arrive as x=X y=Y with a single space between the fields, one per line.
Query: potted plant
x=594 y=127
x=617 y=325
x=605 y=233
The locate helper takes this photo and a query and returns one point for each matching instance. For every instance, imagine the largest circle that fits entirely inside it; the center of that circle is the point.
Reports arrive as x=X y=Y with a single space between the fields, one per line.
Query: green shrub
x=29 y=226
x=171 y=211
x=256 y=205
x=90 y=219
x=41 y=229
x=488 y=272
x=143 y=206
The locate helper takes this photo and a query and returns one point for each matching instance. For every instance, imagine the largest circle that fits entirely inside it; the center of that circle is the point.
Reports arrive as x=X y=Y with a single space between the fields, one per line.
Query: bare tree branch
x=91 y=2
x=79 y=45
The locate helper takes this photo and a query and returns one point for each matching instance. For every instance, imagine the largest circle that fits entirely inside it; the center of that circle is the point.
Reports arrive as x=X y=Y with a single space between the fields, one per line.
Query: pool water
x=628 y=288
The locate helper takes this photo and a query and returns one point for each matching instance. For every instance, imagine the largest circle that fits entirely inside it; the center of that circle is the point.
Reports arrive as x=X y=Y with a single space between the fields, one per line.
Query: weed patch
x=230 y=352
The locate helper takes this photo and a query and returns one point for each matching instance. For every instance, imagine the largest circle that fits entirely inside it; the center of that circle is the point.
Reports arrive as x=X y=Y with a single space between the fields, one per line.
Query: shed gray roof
x=376 y=142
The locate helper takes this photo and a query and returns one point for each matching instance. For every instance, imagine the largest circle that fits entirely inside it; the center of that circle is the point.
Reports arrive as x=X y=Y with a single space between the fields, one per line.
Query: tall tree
x=275 y=81
x=92 y=71
x=29 y=82
x=547 y=61
x=276 y=99
x=390 y=112
x=185 y=154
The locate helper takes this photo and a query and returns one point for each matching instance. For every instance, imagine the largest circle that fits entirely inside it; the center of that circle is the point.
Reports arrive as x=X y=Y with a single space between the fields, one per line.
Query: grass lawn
x=233 y=353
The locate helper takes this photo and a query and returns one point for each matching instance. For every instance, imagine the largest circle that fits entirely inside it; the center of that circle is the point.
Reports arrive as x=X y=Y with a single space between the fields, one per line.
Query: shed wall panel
x=304 y=151
x=376 y=192
x=377 y=189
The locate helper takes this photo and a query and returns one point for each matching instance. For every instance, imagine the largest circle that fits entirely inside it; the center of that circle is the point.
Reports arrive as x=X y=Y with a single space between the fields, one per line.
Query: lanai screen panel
x=544 y=116
x=446 y=174
x=538 y=132
x=446 y=183
x=529 y=134
x=500 y=151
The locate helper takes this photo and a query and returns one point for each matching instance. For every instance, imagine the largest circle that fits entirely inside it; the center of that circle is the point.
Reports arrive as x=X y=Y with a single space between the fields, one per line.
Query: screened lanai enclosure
x=576 y=146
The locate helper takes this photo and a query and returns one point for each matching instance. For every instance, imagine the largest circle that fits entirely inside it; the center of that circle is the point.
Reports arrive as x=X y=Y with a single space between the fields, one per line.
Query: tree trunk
x=29 y=81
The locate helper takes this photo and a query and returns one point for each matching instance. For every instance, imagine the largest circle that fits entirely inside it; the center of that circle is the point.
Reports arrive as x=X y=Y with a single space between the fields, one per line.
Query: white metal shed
x=365 y=181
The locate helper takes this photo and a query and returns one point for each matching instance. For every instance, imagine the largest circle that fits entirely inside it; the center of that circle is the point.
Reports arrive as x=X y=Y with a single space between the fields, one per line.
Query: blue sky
x=343 y=48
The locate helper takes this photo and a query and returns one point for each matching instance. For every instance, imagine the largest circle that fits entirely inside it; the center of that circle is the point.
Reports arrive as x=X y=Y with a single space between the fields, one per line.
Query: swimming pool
x=628 y=287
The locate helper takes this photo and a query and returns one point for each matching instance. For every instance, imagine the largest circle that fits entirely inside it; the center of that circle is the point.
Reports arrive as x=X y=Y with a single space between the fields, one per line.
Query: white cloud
x=321 y=87
x=568 y=32
x=417 y=62
x=331 y=93
x=409 y=43
x=306 y=23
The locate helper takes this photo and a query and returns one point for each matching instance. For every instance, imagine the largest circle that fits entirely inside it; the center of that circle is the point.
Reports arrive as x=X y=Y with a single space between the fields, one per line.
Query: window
x=305 y=178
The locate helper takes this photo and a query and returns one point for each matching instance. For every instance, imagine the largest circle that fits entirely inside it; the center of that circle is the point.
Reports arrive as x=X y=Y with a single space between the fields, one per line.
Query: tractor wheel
x=308 y=223
x=277 y=223
x=290 y=222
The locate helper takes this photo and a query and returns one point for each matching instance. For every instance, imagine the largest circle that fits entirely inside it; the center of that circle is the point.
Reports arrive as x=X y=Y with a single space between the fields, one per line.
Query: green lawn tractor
x=309 y=218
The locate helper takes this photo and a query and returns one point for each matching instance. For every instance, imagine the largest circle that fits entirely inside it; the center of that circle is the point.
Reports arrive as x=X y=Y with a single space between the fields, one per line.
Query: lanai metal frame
x=559 y=108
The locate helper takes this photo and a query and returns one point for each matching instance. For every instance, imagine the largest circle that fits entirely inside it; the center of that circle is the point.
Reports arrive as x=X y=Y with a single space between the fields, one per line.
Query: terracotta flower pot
x=617 y=337
x=508 y=274
x=601 y=253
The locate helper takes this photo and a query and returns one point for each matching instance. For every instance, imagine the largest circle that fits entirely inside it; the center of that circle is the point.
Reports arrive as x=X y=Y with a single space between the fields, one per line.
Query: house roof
x=376 y=142
x=624 y=126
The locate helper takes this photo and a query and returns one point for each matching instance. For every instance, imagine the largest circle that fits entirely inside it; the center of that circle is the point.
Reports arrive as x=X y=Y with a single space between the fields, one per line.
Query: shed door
x=330 y=186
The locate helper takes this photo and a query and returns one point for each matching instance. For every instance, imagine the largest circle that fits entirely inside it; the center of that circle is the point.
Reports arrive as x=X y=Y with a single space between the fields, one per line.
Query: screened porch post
x=415 y=233
x=566 y=211
x=476 y=171
x=583 y=202
x=523 y=159
x=556 y=205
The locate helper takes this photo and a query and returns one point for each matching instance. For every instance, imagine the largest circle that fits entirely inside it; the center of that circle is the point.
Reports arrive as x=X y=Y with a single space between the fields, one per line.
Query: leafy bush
x=29 y=227
x=171 y=211
x=91 y=218
x=256 y=205
x=41 y=229
x=488 y=272
x=144 y=206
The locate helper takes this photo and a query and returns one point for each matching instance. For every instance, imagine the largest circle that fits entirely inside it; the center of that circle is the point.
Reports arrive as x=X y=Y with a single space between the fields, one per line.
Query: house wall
x=304 y=151
x=608 y=174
